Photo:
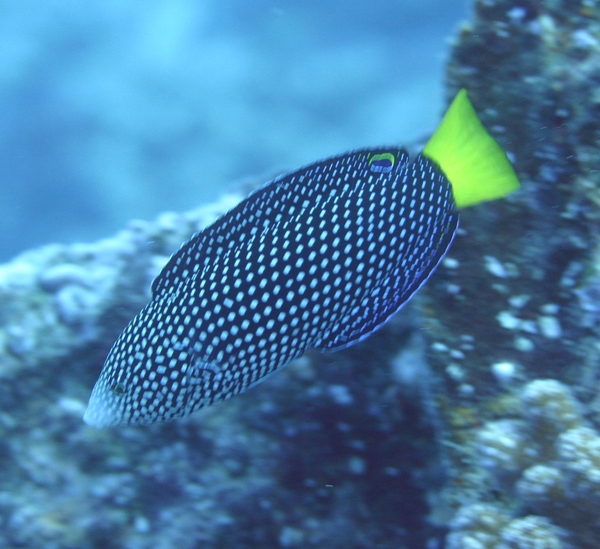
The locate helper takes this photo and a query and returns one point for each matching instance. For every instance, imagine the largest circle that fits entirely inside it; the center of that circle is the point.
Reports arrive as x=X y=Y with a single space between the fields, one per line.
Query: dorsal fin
x=279 y=199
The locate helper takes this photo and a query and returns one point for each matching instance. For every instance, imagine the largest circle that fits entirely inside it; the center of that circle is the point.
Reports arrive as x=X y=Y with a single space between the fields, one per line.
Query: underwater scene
x=392 y=206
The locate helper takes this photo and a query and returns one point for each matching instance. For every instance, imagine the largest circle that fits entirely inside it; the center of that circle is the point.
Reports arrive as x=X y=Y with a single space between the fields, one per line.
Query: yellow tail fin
x=472 y=160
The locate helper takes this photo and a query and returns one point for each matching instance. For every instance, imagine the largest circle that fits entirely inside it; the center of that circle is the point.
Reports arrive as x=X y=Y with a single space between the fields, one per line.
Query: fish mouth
x=98 y=416
x=90 y=419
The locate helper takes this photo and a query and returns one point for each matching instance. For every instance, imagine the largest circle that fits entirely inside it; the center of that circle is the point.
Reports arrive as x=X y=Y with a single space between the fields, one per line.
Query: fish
x=318 y=258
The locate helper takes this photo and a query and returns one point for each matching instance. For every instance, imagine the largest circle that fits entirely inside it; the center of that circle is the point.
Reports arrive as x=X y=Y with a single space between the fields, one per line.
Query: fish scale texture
x=318 y=258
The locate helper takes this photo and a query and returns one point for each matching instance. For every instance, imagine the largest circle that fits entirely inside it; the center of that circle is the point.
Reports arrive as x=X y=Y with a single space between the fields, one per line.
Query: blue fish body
x=317 y=258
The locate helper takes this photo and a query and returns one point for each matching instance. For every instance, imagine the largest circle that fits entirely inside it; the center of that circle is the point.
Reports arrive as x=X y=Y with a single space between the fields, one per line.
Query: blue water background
x=122 y=109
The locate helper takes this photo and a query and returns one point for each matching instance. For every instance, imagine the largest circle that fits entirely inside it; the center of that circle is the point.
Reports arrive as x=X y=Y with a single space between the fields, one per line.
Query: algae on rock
x=524 y=286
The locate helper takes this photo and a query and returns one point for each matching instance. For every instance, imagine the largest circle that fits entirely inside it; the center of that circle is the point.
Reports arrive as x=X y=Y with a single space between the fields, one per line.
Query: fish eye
x=118 y=389
x=382 y=163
